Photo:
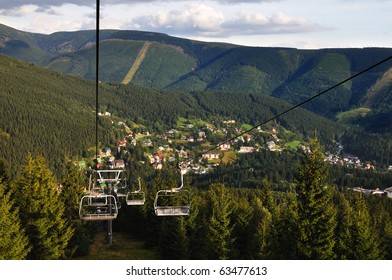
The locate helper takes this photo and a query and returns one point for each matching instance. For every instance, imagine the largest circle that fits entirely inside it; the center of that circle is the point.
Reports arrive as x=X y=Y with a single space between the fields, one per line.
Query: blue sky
x=305 y=24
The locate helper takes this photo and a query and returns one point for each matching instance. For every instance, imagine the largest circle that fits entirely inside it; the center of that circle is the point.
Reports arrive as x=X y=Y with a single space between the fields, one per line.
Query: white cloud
x=279 y=23
x=203 y=20
x=197 y=18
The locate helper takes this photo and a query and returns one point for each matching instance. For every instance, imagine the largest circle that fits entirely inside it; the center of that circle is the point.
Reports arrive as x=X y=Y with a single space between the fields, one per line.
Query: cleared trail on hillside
x=138 y=61
x=379 y=88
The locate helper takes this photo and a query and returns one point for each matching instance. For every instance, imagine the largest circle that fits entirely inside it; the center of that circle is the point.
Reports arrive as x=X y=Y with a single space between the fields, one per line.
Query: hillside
x=45 y=112
x=184 y=65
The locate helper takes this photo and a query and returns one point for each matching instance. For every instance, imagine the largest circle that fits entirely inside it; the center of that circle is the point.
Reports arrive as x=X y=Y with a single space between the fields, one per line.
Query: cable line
x=292 y=108
x=96 y=82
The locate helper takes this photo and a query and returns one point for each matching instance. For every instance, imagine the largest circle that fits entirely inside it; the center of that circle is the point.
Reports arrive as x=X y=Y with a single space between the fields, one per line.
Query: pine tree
x=316 y=215
x=284 y=241
x=344 y=228
x=241 y=218
x=174 y=243
x=73 y=187
x=262 y=230
x=14 y=245
x=42 y=211
x=387 y=238
x=365 y=242
x=220 y=228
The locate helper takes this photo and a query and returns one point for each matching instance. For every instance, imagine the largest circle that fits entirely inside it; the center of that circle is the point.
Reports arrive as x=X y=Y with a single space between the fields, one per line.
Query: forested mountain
x=168 y=63
x=48 y=113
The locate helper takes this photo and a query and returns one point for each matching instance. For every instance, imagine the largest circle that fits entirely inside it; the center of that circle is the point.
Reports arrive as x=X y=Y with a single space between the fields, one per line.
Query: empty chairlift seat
x=172 y=202
x=136 y=197
x=98 y=207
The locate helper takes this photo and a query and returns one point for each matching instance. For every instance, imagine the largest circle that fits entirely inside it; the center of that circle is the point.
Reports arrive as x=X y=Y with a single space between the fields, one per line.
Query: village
x=210 y=144
x=200 y=146
x=213 y=144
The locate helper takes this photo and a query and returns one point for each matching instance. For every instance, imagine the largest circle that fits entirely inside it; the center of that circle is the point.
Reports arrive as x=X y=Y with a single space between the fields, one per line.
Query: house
x=246 y=149
x=118 y=164
x=129 y=135
x=210 y=156
x=107 y=114
x=224 y=146
x=271 y=145
x=122 y=143
x=183 y=154
x=159 y=157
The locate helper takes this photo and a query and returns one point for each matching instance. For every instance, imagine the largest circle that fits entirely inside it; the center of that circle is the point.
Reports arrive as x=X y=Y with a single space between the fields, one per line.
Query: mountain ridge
x=286 y=73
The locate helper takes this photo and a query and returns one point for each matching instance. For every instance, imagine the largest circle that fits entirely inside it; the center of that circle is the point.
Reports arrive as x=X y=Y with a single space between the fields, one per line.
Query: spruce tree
x=316 y=215
x=14 y=245
x=220 y=228
x=174 y=243
x=42 y=211
x=344 y=228
x=262 y=230
x=365 y=241
x=73 y=188
x=241 y=217
x=284 y=241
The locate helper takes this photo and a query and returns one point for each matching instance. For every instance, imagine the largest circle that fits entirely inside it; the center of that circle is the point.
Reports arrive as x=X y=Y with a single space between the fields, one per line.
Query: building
x=210 y=156
x=246 y=149
x=118 y=164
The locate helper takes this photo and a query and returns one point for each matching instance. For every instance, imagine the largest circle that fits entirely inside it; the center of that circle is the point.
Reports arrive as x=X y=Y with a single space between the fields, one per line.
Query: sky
x=303 y=24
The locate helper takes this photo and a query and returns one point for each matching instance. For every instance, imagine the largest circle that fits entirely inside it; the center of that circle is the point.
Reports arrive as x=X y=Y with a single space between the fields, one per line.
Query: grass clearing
x=246 y=126
x=229 y=157
x=124 y=247
x=293 y=144
x=349 y=116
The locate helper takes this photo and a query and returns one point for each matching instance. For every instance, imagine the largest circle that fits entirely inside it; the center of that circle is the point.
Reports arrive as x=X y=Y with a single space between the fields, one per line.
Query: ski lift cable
x=97 y=81
x=291 y=108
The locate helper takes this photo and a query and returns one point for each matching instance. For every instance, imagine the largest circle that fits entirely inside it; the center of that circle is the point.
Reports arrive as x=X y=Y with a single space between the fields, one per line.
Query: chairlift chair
x=96 y=205
x=121 y=189
x=136 y=197
x=100 y=207
x=173 y=202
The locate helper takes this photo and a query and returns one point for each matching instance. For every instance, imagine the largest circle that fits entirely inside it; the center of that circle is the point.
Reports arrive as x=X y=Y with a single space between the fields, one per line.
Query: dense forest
x=312 y=219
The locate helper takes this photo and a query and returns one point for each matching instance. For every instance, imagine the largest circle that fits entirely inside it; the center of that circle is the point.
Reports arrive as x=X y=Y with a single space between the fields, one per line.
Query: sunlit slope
x=173 y=63
x=42 y=112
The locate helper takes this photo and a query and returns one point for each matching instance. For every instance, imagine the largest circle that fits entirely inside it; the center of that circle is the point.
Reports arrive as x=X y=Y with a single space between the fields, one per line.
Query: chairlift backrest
x=98 y=207
x=173 y=202
x=136 y=197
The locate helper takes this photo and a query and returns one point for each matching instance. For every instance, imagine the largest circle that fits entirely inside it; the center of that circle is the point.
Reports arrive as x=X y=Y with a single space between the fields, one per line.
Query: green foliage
x=72 y=189
x=220 y=229
x=14 y=244
x=365 y=242
x=42 y=211
x=316 y=214
x=43 y=113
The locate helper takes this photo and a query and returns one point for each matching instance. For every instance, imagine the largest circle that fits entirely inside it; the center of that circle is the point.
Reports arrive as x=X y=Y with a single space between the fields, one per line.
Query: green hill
x=52 y=114
x=184 y=65
x=42 y=112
